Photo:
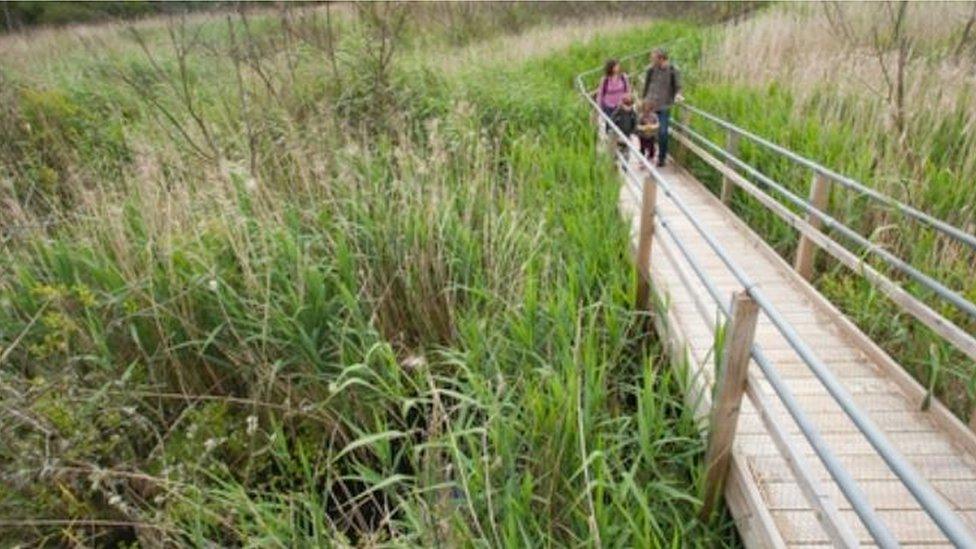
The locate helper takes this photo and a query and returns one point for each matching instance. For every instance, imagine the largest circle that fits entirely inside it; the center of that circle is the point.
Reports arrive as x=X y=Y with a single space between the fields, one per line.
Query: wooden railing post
x=645 y=237
x=731 y=147
x=730 y=384
x=806 y=251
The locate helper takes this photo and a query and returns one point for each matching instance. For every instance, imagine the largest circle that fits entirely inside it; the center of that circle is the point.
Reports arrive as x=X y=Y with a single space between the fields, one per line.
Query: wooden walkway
x=765 y=499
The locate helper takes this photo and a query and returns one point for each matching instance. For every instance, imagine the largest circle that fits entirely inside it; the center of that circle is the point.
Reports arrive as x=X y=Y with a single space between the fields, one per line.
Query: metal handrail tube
x=848 y=486
x=941 y=514
x=831 y=223
x=945 y=328
x=620 y=59
x=669 y=45
x=919 y=215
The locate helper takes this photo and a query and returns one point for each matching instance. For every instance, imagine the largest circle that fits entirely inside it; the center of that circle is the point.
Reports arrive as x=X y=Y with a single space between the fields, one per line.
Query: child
x=647 y=127
x=626 y=119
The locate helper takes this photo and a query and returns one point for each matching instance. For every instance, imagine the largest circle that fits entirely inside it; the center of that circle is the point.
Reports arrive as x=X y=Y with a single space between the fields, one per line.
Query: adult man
x=662 y=87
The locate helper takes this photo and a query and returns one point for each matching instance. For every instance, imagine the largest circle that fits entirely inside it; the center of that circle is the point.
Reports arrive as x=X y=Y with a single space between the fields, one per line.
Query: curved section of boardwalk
x=765 y=499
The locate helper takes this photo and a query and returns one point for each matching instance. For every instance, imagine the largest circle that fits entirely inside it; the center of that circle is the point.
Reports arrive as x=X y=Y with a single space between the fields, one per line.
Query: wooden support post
x=729 y=388
x=645 y=237
x=805 y=252
x=731 y=147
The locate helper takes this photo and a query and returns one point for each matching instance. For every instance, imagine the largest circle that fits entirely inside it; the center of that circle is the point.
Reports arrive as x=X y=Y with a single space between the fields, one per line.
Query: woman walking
x=614 y=86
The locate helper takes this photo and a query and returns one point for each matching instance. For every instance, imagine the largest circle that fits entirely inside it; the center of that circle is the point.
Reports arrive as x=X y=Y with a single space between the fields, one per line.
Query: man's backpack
x=672 y=74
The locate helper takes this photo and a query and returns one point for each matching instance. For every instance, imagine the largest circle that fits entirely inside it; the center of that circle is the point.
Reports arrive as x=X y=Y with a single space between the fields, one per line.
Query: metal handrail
x=831 y=223
x=831 y=463
x=941 y=226
x=950 y=331
x=620 y=59
x=941 y=514
x=879 y=531
x=629 y=56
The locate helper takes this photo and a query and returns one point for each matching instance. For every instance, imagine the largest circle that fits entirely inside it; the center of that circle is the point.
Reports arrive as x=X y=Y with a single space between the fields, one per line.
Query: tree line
x=19 y=15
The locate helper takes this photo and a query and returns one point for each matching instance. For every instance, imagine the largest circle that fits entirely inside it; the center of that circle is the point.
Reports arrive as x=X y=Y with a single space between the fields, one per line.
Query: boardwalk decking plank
x=838 y=422
x=888 y=493
x=910 y=527
x=920 y=436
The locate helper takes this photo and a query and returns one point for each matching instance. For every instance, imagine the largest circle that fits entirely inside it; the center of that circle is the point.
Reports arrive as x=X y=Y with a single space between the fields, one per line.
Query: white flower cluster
x=235 y=172
x=211 y=443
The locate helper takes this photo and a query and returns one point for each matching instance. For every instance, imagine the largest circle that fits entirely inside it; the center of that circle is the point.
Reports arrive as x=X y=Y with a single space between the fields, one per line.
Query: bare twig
x=838 y=24
x=253 y=57
x=964 y=39
x=13 y=345
x=150 y=97
x=384 y=24
x=242 y=95
x=182 y=48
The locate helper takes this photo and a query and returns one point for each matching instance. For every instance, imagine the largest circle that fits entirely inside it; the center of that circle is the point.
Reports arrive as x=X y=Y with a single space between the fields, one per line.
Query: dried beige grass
x=534 y=43
x=796 y=45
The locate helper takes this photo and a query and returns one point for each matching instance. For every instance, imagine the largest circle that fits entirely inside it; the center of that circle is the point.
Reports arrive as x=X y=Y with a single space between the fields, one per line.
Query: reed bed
x=251 y=297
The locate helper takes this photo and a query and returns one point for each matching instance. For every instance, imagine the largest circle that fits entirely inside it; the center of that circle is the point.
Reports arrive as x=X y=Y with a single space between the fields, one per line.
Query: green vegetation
x=20 y=14
x=259 y=294
x=821 y=81
x=354 y=275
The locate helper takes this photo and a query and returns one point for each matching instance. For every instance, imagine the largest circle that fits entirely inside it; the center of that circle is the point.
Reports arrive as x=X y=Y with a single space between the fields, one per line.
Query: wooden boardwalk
x=762 y=493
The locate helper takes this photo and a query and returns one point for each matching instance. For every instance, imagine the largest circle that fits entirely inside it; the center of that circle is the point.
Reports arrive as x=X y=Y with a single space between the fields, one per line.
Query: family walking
x=650 y=118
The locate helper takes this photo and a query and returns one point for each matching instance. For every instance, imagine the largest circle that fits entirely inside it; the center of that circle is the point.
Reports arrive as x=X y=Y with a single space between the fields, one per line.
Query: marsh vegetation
x=353 y=274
